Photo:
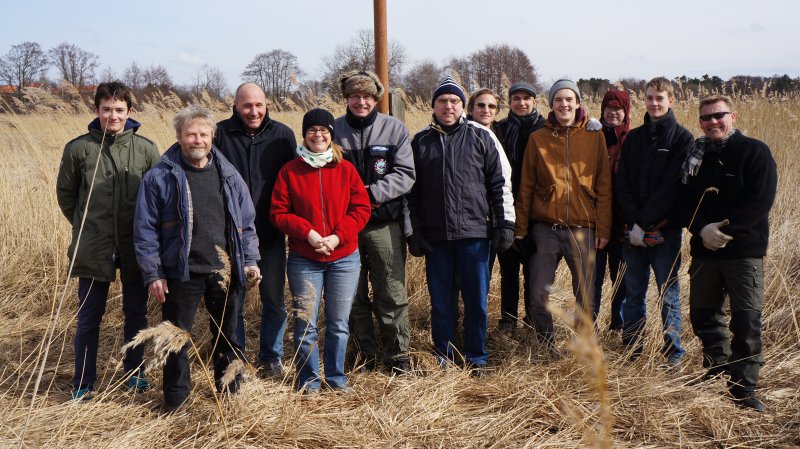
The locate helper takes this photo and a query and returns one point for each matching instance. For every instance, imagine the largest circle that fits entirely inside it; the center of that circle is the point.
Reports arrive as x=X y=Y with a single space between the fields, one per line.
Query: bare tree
x=212 y=80
x=134 y=76
x=23 y=64
x=156 y=77
x=107 y=75
x=421 y=80
x=463 y=68
x=75 y=64
x=490 y=65
x=275 y=71
x=359 y=54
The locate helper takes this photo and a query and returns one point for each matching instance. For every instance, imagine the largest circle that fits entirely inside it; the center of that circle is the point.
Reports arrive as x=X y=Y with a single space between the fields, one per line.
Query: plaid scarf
x=316 y=160
x=694 y=156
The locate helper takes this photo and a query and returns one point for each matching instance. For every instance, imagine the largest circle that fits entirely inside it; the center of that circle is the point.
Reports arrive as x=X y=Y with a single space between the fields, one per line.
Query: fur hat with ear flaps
x=361 y=82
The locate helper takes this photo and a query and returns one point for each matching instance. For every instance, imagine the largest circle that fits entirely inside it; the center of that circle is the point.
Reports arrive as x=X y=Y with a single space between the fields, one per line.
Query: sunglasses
x=485 y=105
x=716 y=116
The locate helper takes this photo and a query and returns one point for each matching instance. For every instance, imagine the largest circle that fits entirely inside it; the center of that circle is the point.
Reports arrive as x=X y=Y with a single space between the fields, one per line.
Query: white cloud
x=188 y=58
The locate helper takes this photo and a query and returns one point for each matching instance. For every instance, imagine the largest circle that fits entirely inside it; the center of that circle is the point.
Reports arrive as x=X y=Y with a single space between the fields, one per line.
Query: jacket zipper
x=569 y=186
x=443 y=138
x=322 y=206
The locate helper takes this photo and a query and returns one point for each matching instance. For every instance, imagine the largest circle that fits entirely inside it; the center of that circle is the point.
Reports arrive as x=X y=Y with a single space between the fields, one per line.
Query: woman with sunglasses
x=320 y=203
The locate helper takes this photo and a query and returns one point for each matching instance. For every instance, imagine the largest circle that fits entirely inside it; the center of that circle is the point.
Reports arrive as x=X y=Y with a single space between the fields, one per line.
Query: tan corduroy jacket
x=566 y=180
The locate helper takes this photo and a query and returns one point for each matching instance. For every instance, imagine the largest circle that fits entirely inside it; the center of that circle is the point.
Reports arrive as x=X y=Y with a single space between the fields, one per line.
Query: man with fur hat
x=460 y=204
x=258 y=147
x=564 y=200
x=379 y=147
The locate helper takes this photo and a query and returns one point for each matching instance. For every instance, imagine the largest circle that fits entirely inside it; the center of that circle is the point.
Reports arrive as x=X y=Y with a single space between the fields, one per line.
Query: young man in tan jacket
x=564 y=203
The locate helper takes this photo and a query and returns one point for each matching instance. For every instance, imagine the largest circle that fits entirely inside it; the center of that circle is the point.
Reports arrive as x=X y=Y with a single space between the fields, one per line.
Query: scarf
x=316 y=160
x=361 y=122
x=447 y=129
x=579 y=115
x=694 y=156
x=517 y=124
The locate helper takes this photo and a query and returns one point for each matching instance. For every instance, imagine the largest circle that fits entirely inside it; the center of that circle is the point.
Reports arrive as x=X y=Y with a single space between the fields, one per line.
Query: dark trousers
x=611 y=254
x=733 y=346
x=510 y=262
x=92 y=297
x=180 y=308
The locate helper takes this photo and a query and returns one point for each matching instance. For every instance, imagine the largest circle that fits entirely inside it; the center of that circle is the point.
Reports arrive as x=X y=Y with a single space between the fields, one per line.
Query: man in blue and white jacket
x=460 y=204
x=194 y=236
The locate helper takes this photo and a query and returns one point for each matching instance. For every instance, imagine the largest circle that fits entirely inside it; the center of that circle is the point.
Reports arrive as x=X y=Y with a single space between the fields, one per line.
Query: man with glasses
x=258 y=147
x=646 y=190
x=729 y=183
x=379 y=147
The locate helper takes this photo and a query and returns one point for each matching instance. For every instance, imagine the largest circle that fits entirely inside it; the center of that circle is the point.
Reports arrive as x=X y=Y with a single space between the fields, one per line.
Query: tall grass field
x=591 y=397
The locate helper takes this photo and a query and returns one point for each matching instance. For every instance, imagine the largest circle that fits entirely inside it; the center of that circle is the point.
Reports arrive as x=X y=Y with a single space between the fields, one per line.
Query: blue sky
x=631 y=39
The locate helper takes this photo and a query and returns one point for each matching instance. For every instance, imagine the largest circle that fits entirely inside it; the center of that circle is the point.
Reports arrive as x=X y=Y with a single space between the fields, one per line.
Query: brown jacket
x=566 y=179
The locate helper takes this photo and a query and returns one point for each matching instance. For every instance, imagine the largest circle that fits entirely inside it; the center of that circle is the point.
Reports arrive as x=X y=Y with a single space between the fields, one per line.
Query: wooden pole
x=381 y=52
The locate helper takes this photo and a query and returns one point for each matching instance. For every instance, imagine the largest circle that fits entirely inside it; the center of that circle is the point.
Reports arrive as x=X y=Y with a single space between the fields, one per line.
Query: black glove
x=503 y=236
x=418 y=246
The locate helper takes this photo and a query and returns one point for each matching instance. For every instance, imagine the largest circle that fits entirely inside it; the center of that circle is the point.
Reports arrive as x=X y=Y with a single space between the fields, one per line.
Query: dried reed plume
x=166 y=338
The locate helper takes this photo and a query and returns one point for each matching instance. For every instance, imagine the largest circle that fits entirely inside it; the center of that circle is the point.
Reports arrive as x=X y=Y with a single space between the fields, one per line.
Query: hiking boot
x=138 y=382
x=748 y=400
x=273 y=370
x=674 y=363
x=82 y=393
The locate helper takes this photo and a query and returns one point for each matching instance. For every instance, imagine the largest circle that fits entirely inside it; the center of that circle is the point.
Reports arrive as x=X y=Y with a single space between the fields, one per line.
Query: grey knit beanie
x=563 y=84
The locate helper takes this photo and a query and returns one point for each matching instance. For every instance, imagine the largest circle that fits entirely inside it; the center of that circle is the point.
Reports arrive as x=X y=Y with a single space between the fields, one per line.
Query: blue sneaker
x=138 y=383
x=83 y=393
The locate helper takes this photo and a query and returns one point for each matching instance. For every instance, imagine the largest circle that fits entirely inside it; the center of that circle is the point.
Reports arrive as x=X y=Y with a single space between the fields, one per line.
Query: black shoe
x=507 y=326
x=748 y=400
x=399 y=367
x=365 y=363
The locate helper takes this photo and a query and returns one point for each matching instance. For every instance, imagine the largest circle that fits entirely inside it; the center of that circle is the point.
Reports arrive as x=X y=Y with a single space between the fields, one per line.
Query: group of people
x=210 y=218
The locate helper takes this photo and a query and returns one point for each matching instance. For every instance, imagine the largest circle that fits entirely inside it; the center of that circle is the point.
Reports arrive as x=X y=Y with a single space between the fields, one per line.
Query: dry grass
x=590 y=398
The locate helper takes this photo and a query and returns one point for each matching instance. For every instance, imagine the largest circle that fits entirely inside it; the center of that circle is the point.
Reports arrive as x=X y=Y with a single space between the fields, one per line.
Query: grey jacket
x=380 y=149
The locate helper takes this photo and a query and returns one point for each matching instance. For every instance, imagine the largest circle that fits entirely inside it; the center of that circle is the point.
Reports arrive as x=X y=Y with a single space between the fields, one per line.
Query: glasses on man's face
x=322 y=131
x=715 y=116
x=358 y=98
x=491 y=106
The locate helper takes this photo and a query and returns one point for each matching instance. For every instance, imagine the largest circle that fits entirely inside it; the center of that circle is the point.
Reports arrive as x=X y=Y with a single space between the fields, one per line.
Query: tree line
x=286 y=83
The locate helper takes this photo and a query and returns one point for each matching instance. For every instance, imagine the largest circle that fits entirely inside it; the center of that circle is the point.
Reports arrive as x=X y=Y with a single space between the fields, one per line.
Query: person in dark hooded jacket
x=109 y=161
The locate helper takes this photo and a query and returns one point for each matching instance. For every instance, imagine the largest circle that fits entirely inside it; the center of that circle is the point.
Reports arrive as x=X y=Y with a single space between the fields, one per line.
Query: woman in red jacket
x=320 y=203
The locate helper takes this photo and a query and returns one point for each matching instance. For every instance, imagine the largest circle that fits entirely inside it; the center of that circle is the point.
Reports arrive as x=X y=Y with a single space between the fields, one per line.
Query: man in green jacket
x=98 y=180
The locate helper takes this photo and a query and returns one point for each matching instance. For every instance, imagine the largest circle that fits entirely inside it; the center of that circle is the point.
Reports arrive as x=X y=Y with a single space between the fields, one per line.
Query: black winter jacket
x=746 y=178
x=515 y=155
x=258 y=158
x=646 y=185
x=463 y=183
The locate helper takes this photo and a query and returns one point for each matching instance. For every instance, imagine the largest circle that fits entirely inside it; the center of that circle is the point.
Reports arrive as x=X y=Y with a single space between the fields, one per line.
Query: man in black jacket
x=646 y=189
x=461 y=202
x=258 y=147
x=729 y=185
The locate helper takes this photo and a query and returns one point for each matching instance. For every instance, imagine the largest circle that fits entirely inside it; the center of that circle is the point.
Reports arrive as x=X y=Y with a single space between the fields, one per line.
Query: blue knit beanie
x=449 y=86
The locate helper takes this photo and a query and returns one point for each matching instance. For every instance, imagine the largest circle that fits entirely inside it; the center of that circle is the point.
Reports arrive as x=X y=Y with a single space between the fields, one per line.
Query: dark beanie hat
x=318 y=117
x=449 y=86
x=521 y=86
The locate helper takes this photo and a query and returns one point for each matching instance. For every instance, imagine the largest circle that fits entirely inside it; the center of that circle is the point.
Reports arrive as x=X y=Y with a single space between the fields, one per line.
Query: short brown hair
x=478 y=93
x=711 y=99
x=661 y=84
x=114 y=90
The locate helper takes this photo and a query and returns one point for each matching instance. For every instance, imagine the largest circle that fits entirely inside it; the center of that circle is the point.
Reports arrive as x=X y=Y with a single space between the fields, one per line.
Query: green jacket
x=107 y=239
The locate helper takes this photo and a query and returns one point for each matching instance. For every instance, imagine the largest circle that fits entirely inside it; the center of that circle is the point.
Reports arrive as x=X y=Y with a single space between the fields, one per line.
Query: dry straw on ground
x=592 y=397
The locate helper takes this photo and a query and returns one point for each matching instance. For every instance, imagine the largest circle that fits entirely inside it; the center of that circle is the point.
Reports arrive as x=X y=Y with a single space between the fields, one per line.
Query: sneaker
x=308 y=390
x=343 y=389
x=748 y=400
x=479 y=372
x=273 y=370
x=138 y=383
x=82 y=393
x=674 y=363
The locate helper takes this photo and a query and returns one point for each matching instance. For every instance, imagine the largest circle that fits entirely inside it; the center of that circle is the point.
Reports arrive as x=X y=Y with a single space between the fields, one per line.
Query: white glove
x=713 y=239
x=637 y=236
x=594 y=124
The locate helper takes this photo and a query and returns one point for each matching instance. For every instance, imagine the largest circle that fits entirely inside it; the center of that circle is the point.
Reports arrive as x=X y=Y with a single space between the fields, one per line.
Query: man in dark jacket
x=258 y=147
x=460 y=204
x=102 y=229
x=379 y=147
x=646 y=190
x=195 y=238
x=729 y=186
x=522 y=120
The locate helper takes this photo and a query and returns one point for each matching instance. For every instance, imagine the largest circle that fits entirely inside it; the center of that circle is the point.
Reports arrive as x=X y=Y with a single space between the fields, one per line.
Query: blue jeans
x=273 y=307
x=665 y=261
x=92 y=296
x=308 y=281
x=472 y=256
x=612 y=254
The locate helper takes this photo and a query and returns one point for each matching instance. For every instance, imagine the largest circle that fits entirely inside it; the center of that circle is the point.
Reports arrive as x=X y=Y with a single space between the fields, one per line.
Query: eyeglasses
x=357 y=97
x=323 y=131
x=491 y=106
x=716 y=116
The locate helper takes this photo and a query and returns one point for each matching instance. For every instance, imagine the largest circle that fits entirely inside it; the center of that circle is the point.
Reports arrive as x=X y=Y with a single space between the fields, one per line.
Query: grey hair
x=191 y=113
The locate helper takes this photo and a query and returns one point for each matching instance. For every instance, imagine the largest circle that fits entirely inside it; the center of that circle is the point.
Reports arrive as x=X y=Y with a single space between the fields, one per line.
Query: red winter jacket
x=329 y=200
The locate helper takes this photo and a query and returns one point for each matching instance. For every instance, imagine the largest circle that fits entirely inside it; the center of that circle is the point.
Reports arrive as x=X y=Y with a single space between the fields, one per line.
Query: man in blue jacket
x=194 y=237
x=258 y=146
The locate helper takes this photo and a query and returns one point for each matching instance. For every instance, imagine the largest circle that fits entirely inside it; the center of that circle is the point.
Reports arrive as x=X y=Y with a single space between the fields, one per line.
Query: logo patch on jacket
x=378 y=150
x=381 y=166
